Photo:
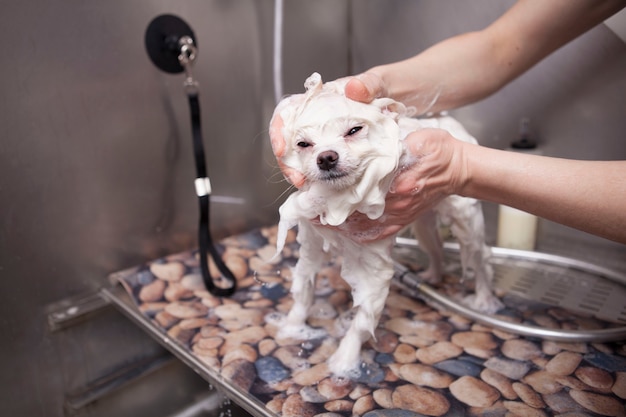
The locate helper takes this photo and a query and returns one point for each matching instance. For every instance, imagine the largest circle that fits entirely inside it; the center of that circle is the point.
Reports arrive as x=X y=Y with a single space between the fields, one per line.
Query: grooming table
x=425 y=360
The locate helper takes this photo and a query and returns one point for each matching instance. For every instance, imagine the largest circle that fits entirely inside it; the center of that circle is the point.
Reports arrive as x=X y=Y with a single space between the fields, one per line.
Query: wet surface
x=424 y=361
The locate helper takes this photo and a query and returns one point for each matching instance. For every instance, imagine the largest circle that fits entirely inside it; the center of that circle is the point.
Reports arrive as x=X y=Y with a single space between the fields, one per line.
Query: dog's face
x=332 y=140
x=330 y=144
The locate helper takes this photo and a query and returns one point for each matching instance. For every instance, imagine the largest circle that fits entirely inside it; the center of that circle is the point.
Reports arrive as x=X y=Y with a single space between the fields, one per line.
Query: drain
x=580 y=290
x=558 y=281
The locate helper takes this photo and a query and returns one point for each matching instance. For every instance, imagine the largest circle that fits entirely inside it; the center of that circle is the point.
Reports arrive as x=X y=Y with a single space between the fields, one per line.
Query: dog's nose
x=327 y=160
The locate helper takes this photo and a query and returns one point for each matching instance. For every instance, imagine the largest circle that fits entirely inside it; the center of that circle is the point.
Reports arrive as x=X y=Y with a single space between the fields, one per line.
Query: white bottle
x=517 y=229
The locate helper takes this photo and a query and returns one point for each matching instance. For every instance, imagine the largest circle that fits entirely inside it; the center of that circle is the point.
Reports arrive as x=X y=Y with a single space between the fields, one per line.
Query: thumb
x=365 y=87
x=295 y=177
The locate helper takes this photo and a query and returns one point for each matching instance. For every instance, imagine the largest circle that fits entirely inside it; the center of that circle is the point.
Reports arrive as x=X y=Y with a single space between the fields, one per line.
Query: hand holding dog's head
x=323 y=136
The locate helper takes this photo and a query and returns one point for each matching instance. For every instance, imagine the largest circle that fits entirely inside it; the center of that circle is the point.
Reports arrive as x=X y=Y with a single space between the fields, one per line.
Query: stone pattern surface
x=424 y=361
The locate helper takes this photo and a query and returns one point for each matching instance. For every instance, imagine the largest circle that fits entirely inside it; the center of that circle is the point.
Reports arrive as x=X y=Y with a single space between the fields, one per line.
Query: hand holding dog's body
x=439 y=171
x=586 y=195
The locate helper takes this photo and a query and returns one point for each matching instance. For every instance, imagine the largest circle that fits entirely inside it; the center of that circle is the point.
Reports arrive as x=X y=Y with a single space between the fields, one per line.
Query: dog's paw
x=344 y=366
x=346 y=359
x=300 y=332
x=287 y=330
x=430 y=275
x=487 y=303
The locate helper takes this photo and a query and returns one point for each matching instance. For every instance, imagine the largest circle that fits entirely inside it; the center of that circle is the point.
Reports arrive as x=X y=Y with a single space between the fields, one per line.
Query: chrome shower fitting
x=187 y=56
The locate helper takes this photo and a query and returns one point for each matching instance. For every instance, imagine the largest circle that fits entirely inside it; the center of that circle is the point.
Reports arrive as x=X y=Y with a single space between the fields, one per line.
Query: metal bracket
x=120 y=377
x=73 y=310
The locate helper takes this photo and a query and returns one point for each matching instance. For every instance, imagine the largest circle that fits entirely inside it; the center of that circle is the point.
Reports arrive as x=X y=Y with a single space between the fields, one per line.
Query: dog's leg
x=369 y=273
x=468 y=226
x=312 y=257
x=427 y=234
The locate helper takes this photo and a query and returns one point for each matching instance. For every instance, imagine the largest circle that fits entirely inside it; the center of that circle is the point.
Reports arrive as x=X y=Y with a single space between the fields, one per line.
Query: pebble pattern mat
x=424 y=362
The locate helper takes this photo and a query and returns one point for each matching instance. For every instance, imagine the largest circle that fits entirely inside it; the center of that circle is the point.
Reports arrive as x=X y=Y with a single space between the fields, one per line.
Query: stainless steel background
x=96 y=170
x=96 y=163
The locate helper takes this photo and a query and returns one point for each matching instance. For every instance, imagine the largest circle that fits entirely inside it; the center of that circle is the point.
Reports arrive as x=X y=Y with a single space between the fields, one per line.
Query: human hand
x=278 y=147
x=366 y=87
x=437 y=168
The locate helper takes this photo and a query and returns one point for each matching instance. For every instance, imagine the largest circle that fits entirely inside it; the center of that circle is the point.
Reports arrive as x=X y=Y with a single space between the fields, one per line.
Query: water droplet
x=255 y=276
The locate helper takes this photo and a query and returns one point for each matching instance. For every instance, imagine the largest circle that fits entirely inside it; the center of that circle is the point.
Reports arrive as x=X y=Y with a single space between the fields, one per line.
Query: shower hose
x=203 y=184
x=203 y=191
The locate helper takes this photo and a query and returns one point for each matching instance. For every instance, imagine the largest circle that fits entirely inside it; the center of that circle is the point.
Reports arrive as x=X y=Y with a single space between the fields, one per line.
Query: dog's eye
x=354 y=130
x=303 y=144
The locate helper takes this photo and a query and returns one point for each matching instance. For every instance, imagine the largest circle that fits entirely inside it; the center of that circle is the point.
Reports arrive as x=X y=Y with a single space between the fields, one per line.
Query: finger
x=412 y=178
x=376 y=234
x=406 y=182
x=390 y=231
x=296 y=178
x=364 y=87
x=356 y=90
x=276 y=135
x=398 y=204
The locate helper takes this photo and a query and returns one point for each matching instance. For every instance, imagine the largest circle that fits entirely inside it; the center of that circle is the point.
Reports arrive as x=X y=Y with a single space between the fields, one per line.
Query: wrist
x=469 y=155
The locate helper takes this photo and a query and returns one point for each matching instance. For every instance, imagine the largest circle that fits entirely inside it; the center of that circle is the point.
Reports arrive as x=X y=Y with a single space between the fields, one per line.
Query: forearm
x=433 y=80
x=586 y=195
x=469 y=67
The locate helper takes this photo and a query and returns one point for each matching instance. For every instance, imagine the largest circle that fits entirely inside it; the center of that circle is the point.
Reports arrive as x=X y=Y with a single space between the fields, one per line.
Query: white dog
x=348 y=153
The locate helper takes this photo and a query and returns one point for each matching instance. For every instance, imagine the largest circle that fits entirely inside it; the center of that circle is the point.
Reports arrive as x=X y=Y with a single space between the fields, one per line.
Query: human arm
x=471 y=66
x=586 y=195
x=435 y=80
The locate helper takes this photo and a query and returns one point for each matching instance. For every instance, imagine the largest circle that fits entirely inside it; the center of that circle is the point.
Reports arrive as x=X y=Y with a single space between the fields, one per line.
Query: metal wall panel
x=96 y=168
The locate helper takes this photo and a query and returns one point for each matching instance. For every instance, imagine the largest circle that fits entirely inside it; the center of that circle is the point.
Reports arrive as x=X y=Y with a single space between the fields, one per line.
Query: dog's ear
x=391 y=108
x=313 y=84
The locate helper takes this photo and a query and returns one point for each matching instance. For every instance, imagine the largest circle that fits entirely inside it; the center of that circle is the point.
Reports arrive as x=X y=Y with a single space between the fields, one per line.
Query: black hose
x=204 y=230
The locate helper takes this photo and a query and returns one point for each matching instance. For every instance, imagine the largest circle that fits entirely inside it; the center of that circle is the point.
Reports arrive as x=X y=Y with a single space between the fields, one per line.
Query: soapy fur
x=363 y=147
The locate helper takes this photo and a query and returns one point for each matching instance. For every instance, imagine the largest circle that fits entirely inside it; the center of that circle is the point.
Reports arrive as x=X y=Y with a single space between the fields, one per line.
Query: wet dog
x=348 y=154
